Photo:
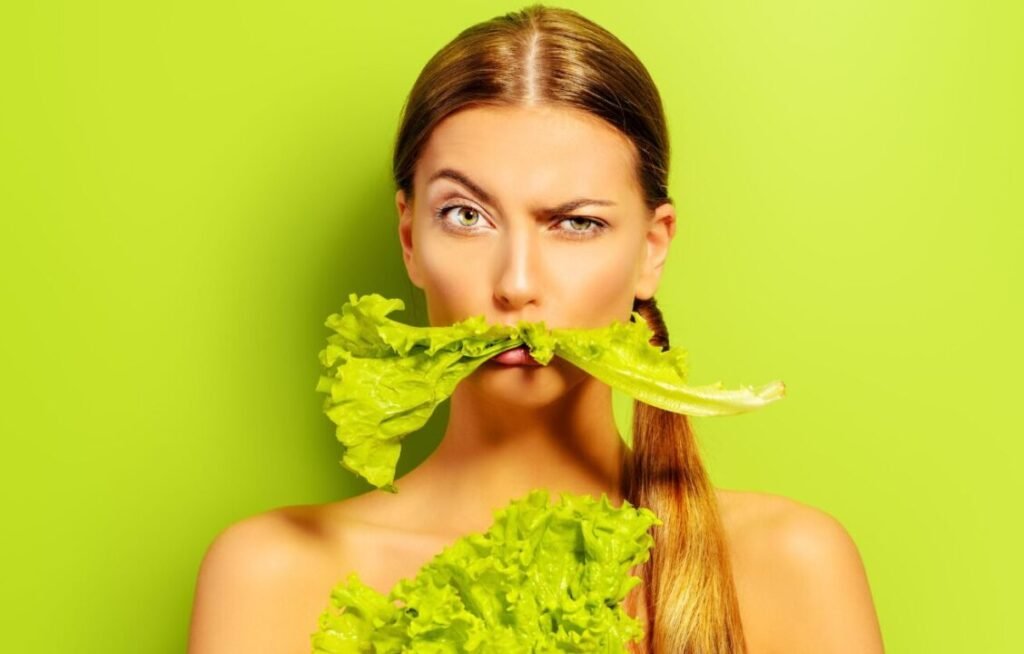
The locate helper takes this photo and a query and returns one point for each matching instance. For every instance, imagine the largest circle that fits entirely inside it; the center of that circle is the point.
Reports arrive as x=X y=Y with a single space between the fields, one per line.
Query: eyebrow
x=462 y=178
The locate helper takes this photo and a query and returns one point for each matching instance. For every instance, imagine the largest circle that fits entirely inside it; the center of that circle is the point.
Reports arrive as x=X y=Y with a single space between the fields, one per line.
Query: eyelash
x=598 y=225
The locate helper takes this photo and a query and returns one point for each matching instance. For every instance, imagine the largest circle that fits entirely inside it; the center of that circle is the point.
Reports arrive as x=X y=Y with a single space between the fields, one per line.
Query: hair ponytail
x=687 y=584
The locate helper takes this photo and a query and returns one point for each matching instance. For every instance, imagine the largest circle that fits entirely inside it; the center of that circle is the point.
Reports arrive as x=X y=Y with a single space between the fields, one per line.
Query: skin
x=801 y=583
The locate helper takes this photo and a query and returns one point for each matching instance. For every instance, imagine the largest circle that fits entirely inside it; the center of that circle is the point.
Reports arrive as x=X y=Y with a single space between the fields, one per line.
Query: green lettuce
x=385 y=378
x=542 y=578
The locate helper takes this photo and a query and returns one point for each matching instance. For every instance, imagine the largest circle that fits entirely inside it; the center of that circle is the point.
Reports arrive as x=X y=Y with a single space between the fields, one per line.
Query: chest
x=382 y=558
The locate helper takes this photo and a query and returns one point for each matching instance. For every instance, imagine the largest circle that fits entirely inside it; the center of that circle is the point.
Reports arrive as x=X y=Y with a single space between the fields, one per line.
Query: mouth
x=519 y=356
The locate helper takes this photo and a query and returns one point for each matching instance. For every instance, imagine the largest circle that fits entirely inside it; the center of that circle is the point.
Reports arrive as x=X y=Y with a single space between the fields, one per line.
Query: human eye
x=582 y=226
x=464 y=221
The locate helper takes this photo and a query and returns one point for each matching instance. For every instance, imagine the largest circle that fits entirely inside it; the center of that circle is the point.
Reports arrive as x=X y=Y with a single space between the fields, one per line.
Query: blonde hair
x=557 y=57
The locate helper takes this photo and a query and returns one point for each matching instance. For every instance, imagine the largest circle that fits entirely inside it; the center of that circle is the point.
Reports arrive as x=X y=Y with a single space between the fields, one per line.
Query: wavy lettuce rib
x=621 y=356
x=385 y=378
x=542 y=578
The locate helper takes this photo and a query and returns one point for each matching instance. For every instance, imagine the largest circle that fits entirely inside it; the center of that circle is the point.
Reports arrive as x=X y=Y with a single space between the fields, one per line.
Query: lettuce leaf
x=542 y=578
x=385 y=378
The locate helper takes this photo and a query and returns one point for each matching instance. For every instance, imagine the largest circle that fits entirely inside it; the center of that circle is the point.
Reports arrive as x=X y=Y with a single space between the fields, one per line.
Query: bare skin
x=504 y=254
x=267 y=579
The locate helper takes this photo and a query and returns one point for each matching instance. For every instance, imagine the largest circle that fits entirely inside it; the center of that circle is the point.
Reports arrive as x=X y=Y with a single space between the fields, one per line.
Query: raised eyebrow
x=565 y=207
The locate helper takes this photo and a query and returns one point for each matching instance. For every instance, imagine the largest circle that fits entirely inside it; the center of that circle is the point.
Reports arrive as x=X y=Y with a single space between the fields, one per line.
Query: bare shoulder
x=776 y=529
x=263 y=583
x=268 y=544
x=801 y=580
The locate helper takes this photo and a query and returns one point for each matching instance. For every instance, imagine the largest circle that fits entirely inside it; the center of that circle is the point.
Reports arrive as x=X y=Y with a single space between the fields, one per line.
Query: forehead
x=539 y=150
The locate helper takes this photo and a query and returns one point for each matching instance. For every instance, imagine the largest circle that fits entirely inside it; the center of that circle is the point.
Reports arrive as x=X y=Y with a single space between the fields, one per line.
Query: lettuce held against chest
x=543 y=578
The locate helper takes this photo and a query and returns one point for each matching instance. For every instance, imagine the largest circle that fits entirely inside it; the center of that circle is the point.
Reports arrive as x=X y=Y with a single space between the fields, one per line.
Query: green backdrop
x=188 y=190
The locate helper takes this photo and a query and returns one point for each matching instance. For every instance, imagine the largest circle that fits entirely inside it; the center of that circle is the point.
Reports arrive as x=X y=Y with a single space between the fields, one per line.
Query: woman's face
x=531 y=213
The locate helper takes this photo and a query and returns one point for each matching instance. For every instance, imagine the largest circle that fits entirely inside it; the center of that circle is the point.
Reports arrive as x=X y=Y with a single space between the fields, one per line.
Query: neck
x=492 y=453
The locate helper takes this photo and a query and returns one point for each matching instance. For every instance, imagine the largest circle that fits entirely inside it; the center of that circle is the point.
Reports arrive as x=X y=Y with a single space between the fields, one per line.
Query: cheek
x=595 y=284
x=453 y=273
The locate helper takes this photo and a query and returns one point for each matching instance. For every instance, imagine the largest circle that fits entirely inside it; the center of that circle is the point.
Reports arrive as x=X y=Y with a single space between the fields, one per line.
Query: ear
x=661 y=229
x=405 y=212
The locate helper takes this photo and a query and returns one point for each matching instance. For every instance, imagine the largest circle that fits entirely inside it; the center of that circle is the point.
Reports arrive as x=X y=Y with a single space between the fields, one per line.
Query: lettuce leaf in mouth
x=542 y=578
x=385 y=378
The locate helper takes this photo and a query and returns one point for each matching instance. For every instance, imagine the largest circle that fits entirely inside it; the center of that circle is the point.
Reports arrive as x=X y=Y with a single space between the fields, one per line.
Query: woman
x=531 y=168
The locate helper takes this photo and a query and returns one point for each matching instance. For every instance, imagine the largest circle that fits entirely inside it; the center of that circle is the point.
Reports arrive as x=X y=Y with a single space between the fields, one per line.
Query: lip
x=519 y=356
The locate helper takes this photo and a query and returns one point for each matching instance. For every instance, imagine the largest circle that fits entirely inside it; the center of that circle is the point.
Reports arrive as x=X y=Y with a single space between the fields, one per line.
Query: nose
x=518 y=281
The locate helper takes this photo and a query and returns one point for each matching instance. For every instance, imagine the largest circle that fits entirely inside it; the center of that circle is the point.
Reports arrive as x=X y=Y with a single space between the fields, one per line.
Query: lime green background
x=188 y=191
